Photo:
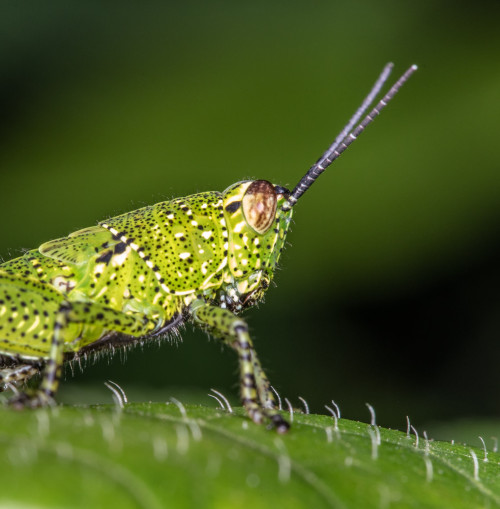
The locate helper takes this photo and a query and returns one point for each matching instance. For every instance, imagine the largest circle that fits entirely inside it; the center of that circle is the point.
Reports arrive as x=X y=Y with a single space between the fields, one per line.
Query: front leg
x=256 y=395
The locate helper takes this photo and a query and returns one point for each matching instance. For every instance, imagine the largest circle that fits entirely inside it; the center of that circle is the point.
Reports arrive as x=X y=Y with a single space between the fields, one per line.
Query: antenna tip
x=414 y=67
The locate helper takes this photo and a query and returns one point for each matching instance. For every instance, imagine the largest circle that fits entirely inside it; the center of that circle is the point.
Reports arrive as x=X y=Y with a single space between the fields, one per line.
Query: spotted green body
x=203 y=258
x=153 y=262
x=139 y=274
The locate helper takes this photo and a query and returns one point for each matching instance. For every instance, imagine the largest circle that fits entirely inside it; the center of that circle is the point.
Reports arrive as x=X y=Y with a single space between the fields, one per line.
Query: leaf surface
x=154 y=455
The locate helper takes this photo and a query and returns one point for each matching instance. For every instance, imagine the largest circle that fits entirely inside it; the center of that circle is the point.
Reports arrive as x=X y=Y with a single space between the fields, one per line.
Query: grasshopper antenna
x=349 y=133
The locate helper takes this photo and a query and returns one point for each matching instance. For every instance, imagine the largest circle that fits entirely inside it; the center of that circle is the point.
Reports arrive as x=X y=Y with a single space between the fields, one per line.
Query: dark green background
x=389 y=290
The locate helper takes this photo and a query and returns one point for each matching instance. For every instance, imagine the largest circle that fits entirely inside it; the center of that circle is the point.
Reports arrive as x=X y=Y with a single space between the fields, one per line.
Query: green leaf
x=155 y=455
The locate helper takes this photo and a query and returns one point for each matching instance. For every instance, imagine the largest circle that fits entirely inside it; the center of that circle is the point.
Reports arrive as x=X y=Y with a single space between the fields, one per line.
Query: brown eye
x=259 y=205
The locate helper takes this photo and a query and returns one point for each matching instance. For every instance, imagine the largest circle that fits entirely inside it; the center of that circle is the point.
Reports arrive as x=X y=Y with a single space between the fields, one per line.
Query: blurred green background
x=388 y=292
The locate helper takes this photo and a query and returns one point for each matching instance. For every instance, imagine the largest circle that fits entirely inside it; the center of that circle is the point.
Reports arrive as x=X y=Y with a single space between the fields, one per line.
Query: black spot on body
x=120 y=248
x=105 y=257
x=233 y=206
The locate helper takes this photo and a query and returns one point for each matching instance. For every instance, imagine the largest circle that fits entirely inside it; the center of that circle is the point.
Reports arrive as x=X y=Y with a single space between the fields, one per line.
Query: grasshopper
x=201 y=259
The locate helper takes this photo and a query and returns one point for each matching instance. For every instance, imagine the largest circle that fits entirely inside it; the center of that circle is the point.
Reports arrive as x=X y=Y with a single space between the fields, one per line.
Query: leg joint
x=241 y=328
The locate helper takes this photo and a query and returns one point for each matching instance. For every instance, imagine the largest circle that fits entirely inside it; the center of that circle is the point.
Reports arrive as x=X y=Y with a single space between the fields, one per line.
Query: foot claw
x=280 y=424
x=37 y=400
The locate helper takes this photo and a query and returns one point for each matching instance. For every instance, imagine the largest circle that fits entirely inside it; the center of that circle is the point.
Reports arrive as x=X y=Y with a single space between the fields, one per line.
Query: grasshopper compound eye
x=259 y=205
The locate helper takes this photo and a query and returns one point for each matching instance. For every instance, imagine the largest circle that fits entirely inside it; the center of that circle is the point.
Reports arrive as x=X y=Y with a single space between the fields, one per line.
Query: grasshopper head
x=257 y=226
x=257 y=213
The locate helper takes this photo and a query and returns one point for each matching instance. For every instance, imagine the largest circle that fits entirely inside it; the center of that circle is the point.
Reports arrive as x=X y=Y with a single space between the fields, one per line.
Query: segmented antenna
x=348 y=134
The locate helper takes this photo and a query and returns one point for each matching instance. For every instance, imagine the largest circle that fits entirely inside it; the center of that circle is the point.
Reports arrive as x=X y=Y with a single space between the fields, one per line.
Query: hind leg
x=82 y=313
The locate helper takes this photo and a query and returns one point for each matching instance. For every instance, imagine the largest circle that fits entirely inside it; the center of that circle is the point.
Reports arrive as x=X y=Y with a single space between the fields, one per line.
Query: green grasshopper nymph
x=201 y=259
